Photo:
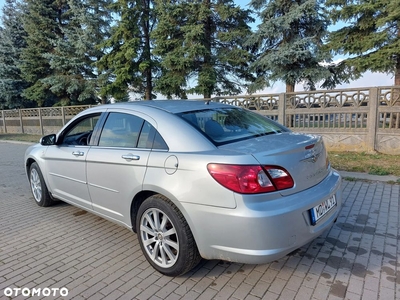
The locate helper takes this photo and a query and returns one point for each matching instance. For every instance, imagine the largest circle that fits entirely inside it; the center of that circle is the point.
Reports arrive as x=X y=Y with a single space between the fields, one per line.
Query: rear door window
x=130 y=131
x=121 y=130
x=150 y=138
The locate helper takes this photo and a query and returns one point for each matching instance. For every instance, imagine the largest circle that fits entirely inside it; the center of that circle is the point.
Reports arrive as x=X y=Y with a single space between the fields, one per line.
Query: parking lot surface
x=63 y=247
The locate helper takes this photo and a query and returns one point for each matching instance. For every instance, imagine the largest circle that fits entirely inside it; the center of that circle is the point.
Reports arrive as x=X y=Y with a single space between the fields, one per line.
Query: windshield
x=227 y=125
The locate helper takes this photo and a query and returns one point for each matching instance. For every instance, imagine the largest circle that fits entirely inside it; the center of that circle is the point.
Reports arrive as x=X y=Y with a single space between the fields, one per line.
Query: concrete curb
x=366 y=176
x=17 y=142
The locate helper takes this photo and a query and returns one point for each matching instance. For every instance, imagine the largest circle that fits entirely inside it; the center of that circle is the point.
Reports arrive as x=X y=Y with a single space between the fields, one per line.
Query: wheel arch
x=174 y=223
x=143 y=195
x=28 y=164
x=136 y=202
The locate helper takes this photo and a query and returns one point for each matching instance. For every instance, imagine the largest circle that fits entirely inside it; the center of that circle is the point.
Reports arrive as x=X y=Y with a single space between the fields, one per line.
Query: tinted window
x=121 y=130
x=226 y=125
x=151 y=139
x=159 y=142
x=124 y=130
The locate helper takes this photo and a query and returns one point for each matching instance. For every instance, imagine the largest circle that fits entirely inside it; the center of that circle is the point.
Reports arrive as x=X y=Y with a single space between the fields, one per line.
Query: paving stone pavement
x=65 y=247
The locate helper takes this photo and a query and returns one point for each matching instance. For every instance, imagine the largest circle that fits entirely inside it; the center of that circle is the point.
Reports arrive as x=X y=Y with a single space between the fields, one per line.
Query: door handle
x=78 y=153
x=130 y=157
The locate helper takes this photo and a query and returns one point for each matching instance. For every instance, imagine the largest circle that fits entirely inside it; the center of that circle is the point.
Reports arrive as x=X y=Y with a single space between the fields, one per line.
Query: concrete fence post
x=63 y=115
x=3 y=113
x=41 y=122
x=373 y=119
x=21 y=121
x=282 y=109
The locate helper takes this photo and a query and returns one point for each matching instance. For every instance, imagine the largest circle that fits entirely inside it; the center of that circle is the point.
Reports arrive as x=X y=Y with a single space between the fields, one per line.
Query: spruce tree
x=42 y=21
x=370 y=38
x=73 y=59
x=289 y=41
x=129 y=59
x=11 y=44
x=200 y=44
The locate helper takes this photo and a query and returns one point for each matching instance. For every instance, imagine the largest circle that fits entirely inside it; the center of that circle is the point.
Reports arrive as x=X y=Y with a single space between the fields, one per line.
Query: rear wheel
x=165 y=237
x=38 y=186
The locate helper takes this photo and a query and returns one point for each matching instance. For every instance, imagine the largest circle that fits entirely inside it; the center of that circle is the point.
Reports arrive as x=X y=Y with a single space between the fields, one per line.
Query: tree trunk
x=289 y=88
x=289 y=118
x=207 y=65
x=397 y=72
x=147 y=51
x=396 y=92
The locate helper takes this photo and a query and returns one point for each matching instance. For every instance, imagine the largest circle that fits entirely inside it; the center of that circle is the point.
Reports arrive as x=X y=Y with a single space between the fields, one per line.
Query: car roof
x=172 y=106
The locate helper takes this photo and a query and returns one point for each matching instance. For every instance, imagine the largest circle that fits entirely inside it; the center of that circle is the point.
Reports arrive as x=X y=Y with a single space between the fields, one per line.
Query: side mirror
x=48 y=140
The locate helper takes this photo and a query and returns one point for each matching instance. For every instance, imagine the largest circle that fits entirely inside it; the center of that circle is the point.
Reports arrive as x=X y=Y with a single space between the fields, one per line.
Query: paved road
x=64 y=247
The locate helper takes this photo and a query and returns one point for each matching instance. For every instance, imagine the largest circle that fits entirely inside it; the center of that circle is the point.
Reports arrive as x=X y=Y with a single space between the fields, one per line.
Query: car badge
x=311 y=157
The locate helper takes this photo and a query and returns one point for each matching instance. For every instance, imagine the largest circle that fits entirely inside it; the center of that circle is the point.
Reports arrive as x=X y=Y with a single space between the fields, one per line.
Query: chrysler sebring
x=193 y=179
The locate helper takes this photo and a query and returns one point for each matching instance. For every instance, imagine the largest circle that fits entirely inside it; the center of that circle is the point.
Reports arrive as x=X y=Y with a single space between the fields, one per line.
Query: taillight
x=249 y=179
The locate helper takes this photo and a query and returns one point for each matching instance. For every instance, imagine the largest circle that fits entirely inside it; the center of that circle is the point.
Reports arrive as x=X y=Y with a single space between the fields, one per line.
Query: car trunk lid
x=302 y=155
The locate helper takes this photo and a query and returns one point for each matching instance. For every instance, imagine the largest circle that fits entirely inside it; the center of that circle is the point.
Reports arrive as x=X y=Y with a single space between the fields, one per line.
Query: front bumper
x=261 y=230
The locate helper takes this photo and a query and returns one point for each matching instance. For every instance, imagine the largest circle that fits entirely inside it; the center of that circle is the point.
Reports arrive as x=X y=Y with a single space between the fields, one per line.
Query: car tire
x=38 y=187
x=165 y=237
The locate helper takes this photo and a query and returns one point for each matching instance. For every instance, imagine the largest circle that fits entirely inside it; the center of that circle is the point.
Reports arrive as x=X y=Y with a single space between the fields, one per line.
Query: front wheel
x=165 y=237
x=38 y=186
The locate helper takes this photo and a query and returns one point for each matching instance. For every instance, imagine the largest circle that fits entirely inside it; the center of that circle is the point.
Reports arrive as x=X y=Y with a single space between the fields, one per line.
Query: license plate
x=317 y=212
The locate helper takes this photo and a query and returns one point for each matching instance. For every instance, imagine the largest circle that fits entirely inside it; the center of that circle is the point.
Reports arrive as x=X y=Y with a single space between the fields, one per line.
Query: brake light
x=249 y=179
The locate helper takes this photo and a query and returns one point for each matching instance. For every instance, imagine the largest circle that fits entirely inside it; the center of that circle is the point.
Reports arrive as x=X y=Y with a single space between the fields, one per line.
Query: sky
x=369 y=79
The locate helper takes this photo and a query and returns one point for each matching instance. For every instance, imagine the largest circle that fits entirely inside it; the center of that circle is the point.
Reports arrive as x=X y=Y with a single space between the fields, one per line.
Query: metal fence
x=363 y=119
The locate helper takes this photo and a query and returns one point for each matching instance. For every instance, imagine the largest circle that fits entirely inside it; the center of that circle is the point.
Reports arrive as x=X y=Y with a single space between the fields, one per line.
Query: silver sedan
x=193 y=179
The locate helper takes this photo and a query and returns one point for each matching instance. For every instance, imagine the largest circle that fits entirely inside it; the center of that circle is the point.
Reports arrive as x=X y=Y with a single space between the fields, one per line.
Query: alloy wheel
x=36 y=185
x=159 y=238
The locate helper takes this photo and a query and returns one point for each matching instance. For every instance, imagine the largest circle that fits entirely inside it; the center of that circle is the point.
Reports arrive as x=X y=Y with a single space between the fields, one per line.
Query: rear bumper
x=259 y=229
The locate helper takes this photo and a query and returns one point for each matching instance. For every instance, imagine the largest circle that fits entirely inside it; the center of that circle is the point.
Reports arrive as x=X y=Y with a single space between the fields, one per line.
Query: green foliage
x=42 y=22
x=66 y=52
x=11 y=44
x=75 y=79
x=128 y=56
x=289 y=42
x=200 y=44
x=376 y=163
x=377 y=170
x=370 y=37
x=57 y=50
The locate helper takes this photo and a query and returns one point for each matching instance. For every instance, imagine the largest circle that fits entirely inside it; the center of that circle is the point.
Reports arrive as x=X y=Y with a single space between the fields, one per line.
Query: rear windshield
x=228 y=125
